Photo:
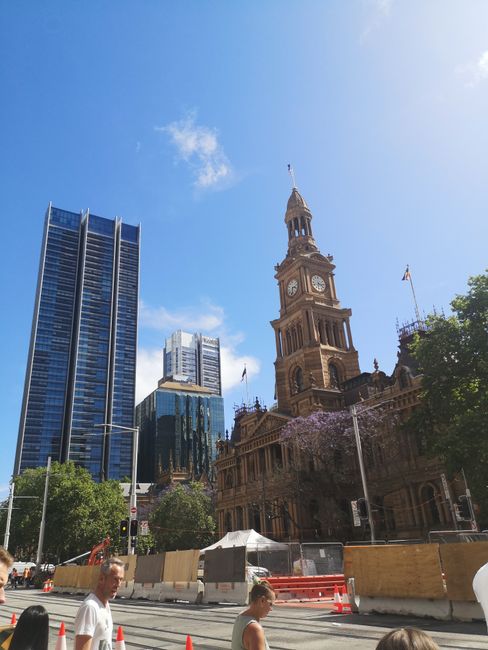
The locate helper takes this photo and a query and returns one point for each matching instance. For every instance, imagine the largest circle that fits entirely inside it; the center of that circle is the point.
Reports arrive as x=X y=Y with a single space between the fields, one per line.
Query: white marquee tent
x=252 y=540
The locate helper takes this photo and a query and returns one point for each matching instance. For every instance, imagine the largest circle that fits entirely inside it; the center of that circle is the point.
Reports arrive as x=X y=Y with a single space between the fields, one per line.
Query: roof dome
x=296 y=200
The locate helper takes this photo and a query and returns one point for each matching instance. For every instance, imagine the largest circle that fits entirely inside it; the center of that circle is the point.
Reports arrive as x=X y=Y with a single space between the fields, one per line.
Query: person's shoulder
x=92 y=601
x=6 y=633
x=254 y=630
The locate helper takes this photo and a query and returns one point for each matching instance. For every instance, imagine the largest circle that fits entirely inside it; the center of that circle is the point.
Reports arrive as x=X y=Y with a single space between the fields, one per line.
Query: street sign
x=144 y=527
x=133 y=510
x=355 y=514
x=445 y=486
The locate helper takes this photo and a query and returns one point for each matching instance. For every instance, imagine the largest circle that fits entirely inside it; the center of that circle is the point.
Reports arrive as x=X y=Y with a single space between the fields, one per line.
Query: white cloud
x=474 y=73
x=199 y=147
x=206 y=318
x=232 y=365
x=149 y=371
x=380 y=11
x=192 y=319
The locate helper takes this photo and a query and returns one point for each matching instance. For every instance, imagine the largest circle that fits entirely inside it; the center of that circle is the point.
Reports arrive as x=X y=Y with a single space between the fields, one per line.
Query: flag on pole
x=406 y=275
x=244 y=373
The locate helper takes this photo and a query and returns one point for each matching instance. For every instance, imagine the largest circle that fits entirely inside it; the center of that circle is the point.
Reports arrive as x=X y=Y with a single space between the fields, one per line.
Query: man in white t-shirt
x=480 y=588
x=93 y=623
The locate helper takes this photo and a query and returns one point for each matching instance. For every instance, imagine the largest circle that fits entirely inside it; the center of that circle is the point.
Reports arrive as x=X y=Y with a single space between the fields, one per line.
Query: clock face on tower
x=292 y=287
x=318 y=283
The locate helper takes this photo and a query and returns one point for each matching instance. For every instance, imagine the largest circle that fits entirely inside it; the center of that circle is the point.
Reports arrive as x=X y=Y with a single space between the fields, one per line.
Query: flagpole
x=292 y=174
x=247 y=388
x=408 y=276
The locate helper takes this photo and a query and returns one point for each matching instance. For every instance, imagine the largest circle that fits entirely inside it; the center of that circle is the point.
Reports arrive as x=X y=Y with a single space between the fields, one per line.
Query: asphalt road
x=149 y=625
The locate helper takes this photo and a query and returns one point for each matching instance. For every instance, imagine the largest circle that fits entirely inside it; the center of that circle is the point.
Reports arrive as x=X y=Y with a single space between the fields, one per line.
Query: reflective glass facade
x=178 y=424
x=194 y=356
x=82 y=356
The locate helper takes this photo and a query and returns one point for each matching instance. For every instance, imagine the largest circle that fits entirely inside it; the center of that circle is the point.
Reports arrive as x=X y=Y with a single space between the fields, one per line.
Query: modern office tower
x=195 y=357
x=179 y=424
x=82 y=355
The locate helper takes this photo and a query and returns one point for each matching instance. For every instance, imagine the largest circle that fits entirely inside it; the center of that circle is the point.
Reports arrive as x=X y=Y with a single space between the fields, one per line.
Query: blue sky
x=183 y=116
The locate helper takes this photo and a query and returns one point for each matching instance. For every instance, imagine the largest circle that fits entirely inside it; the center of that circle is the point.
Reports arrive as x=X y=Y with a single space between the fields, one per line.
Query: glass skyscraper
x=194 y=357
x=179 y=423
x=82 y=355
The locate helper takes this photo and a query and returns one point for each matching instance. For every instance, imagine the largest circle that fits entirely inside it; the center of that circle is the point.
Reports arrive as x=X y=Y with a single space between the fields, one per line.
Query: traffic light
x=133 y=527
x=464 y=509
x=124 y=526
x=362 y=508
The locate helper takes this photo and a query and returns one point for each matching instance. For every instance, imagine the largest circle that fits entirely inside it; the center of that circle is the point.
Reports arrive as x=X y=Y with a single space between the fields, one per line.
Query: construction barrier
x=306 y=587
x=87 y=579
x=236 y=593
x=148 y=576
x=180 y=580
x=419 y=579
x=126 y=589
x=460 y=562
x=225 y=576
x=66 y=579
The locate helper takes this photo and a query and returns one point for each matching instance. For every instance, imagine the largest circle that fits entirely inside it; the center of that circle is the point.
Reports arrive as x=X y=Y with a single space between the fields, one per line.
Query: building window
x=228 y=522
x=333 y=376
x=298 y=380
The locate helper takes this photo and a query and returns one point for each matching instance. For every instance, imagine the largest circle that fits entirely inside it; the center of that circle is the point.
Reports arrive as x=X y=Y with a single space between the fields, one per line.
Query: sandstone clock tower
x=314 y=348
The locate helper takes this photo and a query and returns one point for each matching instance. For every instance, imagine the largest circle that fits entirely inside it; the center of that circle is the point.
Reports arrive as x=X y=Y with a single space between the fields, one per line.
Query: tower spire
x=298 y=219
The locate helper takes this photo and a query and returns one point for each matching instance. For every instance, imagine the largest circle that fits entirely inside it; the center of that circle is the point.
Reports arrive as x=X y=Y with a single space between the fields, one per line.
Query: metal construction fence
x=293 y=558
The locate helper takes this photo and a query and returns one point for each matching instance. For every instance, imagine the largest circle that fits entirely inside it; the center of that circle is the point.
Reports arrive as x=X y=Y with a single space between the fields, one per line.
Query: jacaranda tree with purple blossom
x=328 y=436
x=324 y=474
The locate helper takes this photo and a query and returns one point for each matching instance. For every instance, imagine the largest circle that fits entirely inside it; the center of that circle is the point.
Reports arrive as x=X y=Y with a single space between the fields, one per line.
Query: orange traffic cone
x=61 y=640
x=119 y=642
x=345 y=599
x=13 y=620
x=45 y=587
x=189 y=643
x=337 y=600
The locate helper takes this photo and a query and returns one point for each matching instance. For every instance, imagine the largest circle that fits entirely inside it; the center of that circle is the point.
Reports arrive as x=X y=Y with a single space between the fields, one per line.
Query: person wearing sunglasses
x=247 y=633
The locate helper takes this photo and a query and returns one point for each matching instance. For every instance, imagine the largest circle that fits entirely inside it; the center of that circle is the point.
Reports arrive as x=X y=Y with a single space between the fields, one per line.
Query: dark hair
x=404 y=638
x=261 y=589
x=32 y=630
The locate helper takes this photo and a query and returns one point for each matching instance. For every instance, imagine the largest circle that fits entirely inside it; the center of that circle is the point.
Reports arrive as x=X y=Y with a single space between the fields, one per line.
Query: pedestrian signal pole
x=362 y=470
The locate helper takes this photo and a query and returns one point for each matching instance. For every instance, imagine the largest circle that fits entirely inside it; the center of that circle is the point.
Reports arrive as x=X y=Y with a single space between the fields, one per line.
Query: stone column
x=349 y=335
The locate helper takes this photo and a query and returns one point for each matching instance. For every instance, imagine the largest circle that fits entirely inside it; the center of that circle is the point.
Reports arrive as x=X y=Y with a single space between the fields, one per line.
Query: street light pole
x=9 y=515
x=43 y=518
x=133 y=495
x=361 y=469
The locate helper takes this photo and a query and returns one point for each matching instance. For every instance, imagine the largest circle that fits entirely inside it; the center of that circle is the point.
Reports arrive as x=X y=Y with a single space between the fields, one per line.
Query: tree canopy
x=453 y=412
x=326 y=436
x=183 y=519
x=79 y=514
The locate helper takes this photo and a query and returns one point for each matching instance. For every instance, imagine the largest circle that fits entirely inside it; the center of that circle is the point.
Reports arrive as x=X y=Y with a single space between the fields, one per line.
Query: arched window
x=427 y=494
x=333 y=376
x=239 y=518
x=229 y=481
x=288 y=342
x=298 y=379
x=228 y=522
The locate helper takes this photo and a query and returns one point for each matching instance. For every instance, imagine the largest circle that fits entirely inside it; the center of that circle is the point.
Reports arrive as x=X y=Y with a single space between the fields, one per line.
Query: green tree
x=183 y=519
x=79 y=513
x=452 y=417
